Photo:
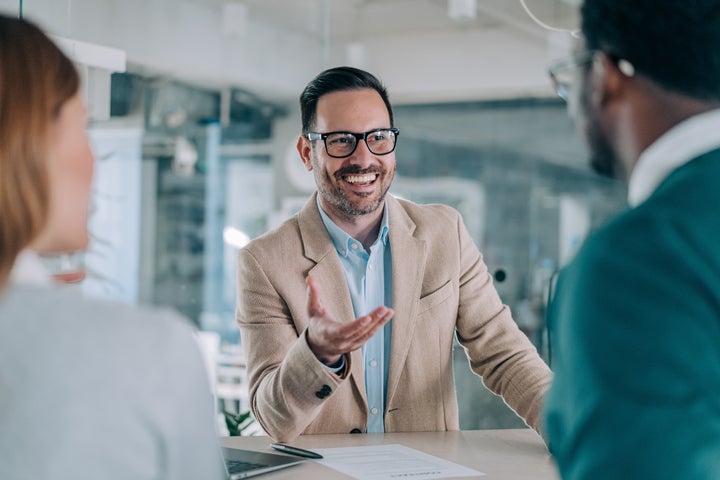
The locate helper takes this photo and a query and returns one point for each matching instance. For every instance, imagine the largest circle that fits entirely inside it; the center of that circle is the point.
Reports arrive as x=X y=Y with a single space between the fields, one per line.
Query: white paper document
x=390 y=462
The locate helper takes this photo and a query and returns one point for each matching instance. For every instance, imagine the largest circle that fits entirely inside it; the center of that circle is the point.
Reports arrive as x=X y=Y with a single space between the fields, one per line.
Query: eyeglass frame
x=313 y=136
x=562 y=89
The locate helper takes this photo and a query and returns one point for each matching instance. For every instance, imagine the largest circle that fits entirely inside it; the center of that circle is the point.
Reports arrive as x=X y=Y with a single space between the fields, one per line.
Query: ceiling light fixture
x=460 y=10
x=574 y=32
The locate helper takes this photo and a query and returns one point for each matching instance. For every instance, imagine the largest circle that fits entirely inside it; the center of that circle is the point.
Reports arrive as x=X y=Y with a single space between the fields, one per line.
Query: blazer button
x=323 y=392
x=355 y=430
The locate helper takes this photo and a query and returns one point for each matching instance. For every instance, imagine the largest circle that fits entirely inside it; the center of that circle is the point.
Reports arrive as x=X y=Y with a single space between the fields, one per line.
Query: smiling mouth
x=360 y=179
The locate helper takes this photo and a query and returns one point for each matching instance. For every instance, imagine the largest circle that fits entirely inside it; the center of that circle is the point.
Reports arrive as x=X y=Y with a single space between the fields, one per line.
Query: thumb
x=314 y=304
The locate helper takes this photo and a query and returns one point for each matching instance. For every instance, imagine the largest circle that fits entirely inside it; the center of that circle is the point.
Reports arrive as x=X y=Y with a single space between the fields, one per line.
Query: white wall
x=452 y=66
x=185 y=39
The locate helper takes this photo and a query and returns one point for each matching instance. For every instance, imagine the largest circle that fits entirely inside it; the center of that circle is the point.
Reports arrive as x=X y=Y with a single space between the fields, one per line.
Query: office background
x=194 y=120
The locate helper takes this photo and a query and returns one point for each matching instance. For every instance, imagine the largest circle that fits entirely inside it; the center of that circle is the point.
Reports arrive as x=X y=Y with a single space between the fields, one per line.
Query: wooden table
x=500 y=454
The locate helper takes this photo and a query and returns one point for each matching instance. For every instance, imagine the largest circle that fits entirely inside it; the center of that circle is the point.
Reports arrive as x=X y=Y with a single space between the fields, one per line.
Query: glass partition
x=515 y=170
x=189 y=173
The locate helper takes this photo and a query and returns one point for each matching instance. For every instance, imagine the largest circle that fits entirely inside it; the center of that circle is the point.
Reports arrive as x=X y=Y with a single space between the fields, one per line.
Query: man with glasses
x=636 y=316
x=317 y=295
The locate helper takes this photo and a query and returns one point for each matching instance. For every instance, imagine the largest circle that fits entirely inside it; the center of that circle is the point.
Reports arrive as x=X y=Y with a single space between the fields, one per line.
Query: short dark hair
x=675 y=43
x=335 y=80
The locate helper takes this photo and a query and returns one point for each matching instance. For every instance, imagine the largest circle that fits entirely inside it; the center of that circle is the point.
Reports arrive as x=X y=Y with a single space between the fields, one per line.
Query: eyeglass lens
x=343 y=144
x=563 y=75
x=563 y=80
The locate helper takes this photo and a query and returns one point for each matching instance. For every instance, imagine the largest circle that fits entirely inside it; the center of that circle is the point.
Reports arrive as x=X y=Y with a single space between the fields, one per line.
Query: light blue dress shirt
x=369 y=278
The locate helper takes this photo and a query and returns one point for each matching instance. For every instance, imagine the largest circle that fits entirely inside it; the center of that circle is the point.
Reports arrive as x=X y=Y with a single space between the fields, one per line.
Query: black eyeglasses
x=562 y=74
x=342 y=144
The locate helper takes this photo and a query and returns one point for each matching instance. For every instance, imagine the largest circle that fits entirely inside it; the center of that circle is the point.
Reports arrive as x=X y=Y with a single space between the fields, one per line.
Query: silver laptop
x=246 y=463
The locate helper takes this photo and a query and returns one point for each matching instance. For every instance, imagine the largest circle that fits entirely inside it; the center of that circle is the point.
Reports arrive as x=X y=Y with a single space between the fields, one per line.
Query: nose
x=362 y=155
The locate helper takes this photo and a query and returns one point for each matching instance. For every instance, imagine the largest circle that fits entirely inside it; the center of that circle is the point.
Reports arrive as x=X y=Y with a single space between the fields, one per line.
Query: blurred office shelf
x=180 y=240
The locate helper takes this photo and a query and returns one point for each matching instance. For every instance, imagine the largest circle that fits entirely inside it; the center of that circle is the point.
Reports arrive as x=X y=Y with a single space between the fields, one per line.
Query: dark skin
x=632 y=112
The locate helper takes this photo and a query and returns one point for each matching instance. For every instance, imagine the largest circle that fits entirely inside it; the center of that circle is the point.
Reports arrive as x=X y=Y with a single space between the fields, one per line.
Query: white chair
x=232 y=385
x=227 y=372
x=209 y=343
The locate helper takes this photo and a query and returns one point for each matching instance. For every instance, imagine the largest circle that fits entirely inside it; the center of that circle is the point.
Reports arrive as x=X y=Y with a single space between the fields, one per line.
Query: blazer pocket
x=435 y=298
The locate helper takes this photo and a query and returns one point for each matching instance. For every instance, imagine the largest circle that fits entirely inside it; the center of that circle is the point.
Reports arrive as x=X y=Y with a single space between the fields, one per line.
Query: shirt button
x=373 y=363
x=354 y=246
x=374 y=411
x=370 y=266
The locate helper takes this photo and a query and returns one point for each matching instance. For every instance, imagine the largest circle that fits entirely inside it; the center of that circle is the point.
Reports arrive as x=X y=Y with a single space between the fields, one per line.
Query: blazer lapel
x=408 y=264
x=331 y=278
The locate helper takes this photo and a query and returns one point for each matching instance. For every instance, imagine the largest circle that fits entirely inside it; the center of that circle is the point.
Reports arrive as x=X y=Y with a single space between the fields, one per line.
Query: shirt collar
x=342 y=240
x=29 y=270
x=685 y=141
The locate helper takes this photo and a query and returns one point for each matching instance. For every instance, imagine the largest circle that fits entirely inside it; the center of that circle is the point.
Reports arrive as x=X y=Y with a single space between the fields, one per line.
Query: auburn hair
x=36 y=79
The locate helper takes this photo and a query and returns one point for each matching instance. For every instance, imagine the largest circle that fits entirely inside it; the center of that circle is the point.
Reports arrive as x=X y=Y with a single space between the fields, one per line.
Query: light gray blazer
x=92 y=390
x=440 y=286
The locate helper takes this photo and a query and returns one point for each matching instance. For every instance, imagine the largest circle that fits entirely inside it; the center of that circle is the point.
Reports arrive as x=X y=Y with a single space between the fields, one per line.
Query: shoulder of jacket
x=280 y=235
x=432 y=214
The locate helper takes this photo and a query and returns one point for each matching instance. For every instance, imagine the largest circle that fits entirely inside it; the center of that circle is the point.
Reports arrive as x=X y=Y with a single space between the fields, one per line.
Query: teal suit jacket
x=636 y=334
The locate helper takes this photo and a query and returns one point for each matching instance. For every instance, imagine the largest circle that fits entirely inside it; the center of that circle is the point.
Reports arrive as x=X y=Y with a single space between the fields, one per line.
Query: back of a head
x=675 y=43
x=334 y=80
x=36 y=79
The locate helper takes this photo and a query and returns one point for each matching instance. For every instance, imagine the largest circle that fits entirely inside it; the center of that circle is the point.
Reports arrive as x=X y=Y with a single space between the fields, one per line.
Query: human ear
x=608 y=79
x=304 y=149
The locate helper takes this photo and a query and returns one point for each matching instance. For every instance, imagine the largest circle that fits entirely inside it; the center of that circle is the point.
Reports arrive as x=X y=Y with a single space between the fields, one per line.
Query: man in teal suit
x=635 y=323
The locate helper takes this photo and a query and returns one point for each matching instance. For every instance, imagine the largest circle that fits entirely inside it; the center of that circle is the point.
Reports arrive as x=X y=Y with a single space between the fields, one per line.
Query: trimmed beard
x=336 y=196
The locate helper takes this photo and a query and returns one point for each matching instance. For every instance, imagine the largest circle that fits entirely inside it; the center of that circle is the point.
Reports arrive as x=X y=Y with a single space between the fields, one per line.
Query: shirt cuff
x=336 y=369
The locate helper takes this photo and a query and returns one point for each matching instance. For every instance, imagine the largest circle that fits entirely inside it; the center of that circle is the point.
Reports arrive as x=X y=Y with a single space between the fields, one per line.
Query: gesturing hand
x=328 y=338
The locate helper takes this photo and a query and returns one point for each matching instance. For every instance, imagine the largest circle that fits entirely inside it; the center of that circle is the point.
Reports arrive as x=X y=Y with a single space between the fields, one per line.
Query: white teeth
x=361 y=178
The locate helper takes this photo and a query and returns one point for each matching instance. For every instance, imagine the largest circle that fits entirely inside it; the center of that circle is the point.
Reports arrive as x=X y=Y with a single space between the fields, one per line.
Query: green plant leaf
x=237 y=422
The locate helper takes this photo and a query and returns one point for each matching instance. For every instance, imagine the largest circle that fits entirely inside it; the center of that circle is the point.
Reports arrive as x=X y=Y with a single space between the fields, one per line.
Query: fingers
x=378 y=318
x=329 y=339
x=367 y=325
x=353 y=335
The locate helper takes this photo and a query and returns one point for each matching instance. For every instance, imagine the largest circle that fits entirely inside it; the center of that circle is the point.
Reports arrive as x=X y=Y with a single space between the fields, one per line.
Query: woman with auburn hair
x=87 y=389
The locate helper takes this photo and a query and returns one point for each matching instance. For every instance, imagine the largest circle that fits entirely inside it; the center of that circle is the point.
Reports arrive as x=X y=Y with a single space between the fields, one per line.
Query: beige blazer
x=441 y=287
